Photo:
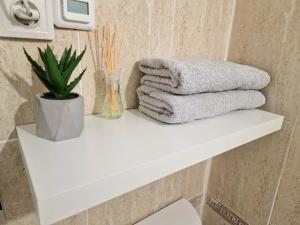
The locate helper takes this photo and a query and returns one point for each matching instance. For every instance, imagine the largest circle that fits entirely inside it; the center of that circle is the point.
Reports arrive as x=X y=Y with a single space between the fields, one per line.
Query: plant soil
x=50 y=96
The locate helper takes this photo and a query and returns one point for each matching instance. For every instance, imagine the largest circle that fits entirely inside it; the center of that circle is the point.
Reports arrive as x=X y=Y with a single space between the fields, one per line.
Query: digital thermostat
x=74 y=14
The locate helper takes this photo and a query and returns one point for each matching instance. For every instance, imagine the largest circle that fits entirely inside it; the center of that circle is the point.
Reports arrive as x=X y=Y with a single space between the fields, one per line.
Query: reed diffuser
x=111 y=49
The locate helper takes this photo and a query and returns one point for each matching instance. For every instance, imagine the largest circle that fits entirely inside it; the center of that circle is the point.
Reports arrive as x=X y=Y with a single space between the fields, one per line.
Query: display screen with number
x=78 y=7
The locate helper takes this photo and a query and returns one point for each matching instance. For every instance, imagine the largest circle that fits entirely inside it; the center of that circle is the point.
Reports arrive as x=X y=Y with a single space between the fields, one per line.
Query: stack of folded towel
x=179 y=91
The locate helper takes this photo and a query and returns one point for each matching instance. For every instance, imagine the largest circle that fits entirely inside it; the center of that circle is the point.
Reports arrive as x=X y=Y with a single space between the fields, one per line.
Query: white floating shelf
x=113 y=157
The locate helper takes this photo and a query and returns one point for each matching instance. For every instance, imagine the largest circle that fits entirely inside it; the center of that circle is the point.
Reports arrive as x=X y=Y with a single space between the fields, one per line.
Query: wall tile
x=26 y=219
x=287 y=205
x=136 y=205
x=2 y=218
x=31 y=219
x=245 y=179
x=17 y=88
x=79 y=219
x=266 y=35
x=15 y=194
x=93 y=86
x=210 y=217
x=201 y=28
x=161 y=28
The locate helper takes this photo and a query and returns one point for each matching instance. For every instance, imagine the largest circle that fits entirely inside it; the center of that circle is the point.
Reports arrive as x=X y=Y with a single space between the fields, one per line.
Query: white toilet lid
x=178 y=213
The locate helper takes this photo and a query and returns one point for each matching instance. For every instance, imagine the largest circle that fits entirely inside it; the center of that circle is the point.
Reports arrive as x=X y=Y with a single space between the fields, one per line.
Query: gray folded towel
x=171 y=108
x=197 y=76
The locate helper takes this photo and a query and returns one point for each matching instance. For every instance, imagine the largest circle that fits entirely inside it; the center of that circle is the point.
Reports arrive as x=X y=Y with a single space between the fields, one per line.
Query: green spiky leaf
x=73 y=84
x=52 y=68
x=64 y=59
x=44 y=81
x=42 y=55
x=55 y=76
x=68 y=57
x=34 y=63
x=74 y=61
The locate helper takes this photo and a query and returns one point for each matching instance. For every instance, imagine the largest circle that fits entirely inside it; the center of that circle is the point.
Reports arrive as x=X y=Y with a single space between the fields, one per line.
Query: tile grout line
x=284 y=165
x=8 y=140
x=205 y=186
x=79 y=66
x=227 y=47
x=174 y=9
x=87 y=217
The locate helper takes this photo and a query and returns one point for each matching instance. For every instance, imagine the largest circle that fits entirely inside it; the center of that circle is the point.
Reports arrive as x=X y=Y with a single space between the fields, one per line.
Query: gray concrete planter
x=58 y=120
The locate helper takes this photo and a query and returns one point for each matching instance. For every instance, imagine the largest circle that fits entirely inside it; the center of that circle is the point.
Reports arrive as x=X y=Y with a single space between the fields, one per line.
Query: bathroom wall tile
x=93 y=86
x=79 y=219
x=210 y=217
x=31 y=219
x=201 y=28
x=18 y=84
x=194 y=180
x=161 y=28
x=136 y=205
x=266 y=35
x=287 y=205
x=15 y=194
x=26 y=219
x=2 y=218
x=245 y=179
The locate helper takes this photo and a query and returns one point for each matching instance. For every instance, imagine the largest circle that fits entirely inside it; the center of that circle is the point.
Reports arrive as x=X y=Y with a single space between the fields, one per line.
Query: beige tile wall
x=266 y=34
x=245 y=179
x=260 y=181
x=212 y=218
x=169 y=28
x=287 y=205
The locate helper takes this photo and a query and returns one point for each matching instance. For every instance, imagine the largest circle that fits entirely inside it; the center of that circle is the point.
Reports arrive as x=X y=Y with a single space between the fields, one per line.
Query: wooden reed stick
x=112 y=46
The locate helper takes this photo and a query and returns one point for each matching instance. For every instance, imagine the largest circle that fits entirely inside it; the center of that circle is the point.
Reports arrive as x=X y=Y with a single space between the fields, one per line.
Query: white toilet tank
x=178 y=213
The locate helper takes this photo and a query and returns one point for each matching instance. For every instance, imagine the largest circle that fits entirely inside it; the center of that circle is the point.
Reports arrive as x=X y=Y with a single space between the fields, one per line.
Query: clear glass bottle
x=112 y=106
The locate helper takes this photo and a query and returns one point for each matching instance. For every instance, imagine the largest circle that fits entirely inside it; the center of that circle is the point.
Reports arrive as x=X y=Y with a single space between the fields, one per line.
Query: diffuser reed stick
x=112 y=41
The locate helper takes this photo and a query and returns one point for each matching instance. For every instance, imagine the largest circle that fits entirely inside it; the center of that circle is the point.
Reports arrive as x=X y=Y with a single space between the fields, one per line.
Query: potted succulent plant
x=59 y=111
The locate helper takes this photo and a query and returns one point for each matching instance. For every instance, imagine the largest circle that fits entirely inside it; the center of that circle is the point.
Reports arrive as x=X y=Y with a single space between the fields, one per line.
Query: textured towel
x=197 y=76
x=171 y=108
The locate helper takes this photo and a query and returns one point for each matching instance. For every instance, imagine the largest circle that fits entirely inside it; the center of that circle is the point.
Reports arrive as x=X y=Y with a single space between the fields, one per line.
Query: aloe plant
x=55 y=75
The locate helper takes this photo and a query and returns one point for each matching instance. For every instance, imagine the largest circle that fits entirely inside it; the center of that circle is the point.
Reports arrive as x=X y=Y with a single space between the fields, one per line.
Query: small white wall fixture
x=74 y=14
x=31 y=19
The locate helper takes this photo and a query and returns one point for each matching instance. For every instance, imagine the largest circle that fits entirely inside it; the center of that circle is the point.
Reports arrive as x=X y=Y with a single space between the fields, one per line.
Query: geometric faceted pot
x=59 y=119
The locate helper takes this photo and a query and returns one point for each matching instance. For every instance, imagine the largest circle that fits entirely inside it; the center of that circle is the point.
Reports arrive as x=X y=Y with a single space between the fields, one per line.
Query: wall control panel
x=26 y=19
x=74 y=14
x=35 y=19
